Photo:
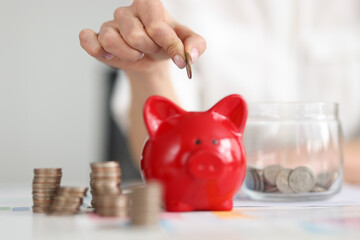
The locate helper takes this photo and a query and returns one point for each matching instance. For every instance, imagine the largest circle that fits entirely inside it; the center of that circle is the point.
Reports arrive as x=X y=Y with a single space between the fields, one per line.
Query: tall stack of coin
x=45 y=185
x=105 y=180
x=67 y=201
x=146 y=204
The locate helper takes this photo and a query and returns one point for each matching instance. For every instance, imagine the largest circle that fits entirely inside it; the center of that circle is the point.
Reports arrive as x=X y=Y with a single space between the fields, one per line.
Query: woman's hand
x=140 y=37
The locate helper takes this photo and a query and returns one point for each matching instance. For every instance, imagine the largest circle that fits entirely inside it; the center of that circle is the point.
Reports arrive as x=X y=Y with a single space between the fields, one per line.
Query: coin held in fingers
x=188 y=65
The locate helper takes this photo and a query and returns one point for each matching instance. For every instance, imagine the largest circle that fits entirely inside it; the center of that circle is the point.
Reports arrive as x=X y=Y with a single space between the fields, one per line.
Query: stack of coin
x=45 y=185
x=276 y=179
x=105 y=180
x=112 y=205
x=67 y=201
x=146 y=204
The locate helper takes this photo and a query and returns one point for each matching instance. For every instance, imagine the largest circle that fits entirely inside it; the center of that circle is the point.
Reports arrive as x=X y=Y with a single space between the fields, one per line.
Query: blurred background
x=52 y=94
x=54 y=97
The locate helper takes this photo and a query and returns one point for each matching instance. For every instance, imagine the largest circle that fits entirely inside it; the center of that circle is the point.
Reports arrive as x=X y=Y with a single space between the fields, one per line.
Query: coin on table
x=108 y=201
x=63 y=207
x=270 y=173
x=112 y=212
x=74 y=191
x=67 y=200
x=146 y=204
x=45 y=186
x=302 y=180
x=188 y=65
x=45 y=191
x=282 y=181
x=108 y=164
x=47 y=170
x=106 y=191
x=42 y=180
x=41 y=197
x=105 y=174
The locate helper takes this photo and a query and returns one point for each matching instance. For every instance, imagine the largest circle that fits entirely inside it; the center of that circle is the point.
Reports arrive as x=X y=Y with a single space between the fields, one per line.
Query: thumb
x=165 y=36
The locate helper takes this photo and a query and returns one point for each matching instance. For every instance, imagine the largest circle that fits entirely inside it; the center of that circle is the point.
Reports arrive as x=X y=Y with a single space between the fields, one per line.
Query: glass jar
x=294 y=151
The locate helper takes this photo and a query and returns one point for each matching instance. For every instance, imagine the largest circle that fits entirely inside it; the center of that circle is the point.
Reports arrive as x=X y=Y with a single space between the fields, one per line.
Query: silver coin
x=270 y=173
x=271 y=189
x=318 y=189
x=282 y=181
x=250 y=179
x=302 y=180
x=326 y=179
x=261 y=184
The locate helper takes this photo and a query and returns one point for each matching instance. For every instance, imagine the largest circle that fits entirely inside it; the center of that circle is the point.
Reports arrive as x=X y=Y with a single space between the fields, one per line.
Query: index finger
x=152 y=15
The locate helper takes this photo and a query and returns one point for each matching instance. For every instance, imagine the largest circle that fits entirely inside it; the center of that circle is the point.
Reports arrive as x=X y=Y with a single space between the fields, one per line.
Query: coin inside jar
x=270 y=173
x=302 y=180
x=282 y=181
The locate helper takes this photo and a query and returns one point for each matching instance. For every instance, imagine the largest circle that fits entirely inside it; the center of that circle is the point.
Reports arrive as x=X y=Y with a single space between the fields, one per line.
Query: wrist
x=157 y=82
x=149 y=71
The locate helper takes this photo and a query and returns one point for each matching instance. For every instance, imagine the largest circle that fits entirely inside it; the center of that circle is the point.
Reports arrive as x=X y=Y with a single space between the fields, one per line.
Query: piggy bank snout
x=205 y=164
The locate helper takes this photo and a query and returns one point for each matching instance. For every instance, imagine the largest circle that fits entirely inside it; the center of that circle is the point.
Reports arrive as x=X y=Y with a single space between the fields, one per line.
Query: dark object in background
x=116 y=146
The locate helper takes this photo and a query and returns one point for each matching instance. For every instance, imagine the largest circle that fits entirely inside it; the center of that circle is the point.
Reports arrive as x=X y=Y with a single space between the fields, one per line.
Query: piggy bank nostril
x=211 y=168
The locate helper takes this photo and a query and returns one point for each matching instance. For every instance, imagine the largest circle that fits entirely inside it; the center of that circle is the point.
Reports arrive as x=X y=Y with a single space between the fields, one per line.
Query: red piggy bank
x=199 y=157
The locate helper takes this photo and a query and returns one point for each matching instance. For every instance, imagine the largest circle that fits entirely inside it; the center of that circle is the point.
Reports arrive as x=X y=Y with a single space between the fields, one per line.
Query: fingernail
x=194 y=54
x=141 y=56
x=179 y=61
x=108 y=56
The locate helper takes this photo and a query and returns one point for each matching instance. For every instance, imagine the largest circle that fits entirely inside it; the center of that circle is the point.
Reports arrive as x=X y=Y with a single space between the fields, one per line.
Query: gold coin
x=73 y=190
x=108 y=164
x=64 y=207
x=63 y=199
x=112 y=212
x=71 y=194
x=47 y=170
x=48 y=191
x=115 y=191
x=42 y=180
x=37 y=209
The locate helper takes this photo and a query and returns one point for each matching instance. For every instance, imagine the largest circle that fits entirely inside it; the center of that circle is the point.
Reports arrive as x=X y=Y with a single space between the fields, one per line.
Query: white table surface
x=260 y=221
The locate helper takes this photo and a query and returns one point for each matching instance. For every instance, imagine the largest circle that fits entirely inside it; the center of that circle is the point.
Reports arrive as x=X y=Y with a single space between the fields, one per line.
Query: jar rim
x=294 y=110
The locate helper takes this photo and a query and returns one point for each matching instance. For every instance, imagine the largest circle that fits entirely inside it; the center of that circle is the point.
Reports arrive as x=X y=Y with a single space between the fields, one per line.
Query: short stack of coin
x=146 y=204
x=112 y=205
x=277 y=179
x=67 y=201
x=45 y=185
x=105 y=180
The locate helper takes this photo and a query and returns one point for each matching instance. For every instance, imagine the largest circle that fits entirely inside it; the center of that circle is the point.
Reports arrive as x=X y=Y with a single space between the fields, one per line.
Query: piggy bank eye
x=197 y=141
x=214 y=141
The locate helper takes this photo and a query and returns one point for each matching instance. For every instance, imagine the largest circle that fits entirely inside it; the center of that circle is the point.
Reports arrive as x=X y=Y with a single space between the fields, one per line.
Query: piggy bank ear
x=156 y=110
x=234 y=108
